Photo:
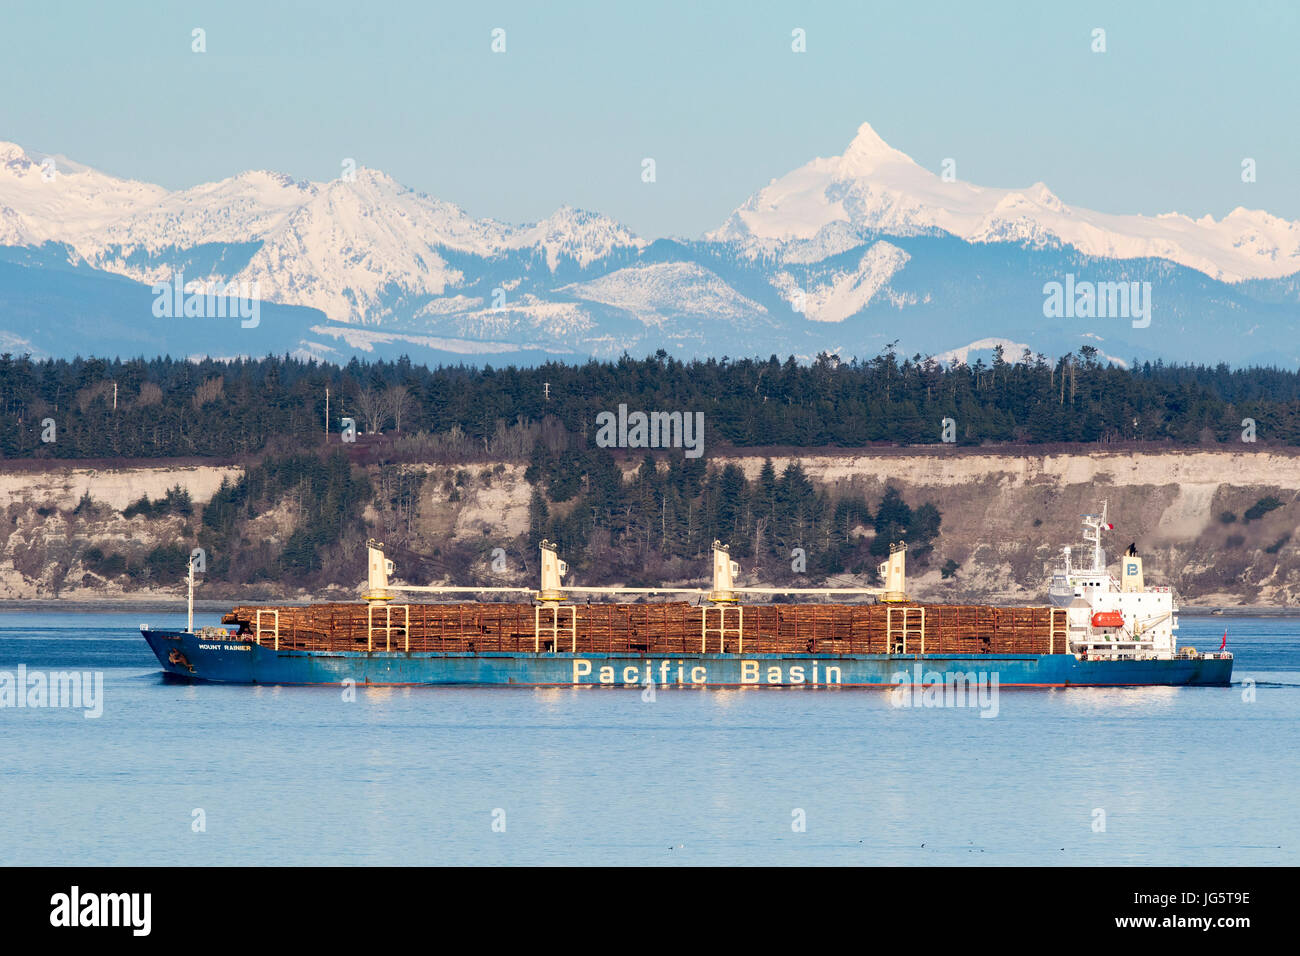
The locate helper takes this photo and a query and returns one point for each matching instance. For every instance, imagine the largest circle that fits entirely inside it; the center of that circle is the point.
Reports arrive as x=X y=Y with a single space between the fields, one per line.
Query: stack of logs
x=657 y=628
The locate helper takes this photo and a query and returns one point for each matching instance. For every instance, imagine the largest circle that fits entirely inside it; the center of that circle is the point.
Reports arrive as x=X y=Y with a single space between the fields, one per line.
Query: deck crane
x=553 y=591
x=722 y=616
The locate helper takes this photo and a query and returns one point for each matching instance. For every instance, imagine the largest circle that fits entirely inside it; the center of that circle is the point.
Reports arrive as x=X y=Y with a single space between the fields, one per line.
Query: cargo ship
x=1096 y=630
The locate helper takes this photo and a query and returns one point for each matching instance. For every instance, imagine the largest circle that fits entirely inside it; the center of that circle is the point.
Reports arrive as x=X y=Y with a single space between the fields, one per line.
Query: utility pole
x=327 y=414
x=115 y=396
x=546 y=390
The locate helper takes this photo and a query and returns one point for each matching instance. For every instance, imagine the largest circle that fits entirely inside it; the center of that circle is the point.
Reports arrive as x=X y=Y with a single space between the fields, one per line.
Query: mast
x=1099 y=559
x=1092 y=528
x=189 y=618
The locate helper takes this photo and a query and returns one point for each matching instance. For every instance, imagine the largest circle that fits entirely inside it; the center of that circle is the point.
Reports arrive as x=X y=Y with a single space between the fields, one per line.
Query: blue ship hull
x=202 y=658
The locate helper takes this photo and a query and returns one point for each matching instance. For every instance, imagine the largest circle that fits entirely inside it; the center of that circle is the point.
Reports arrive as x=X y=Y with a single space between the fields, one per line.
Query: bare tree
x=150 y=394
x=209 y=391
x=398 y=402
x=372 y=408
x=760 y=528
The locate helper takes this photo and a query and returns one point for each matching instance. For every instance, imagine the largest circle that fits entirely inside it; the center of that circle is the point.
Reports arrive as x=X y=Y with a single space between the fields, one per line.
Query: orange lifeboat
x=1108 y=619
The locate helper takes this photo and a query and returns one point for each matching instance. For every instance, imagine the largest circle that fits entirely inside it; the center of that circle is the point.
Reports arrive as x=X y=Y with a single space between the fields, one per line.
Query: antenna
x=1093 y=525
x=189 y=618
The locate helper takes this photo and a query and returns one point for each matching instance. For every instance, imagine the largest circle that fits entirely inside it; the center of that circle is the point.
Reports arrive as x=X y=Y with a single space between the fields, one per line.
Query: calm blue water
x=414 y=775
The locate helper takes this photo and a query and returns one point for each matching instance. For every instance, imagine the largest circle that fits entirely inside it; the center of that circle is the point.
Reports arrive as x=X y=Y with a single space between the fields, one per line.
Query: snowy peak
x=45 y=197
x=241 y=209
x=267 y=180
x=868 y=154
x=873 y=188
x=575 y=234
x=14 y=156
x=1040 y=194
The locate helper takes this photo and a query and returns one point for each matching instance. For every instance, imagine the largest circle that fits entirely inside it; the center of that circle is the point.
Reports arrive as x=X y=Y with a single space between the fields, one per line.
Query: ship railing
x=1115 y=650
x=273 y=614
x=901 y=622
x=1059 y=625
x=389 y=625
x=554 y=626
x=722 y=630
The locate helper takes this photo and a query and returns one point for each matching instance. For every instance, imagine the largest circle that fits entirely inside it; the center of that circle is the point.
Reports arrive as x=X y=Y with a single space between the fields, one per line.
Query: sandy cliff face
x=62 y=487
x=1005 y=518
x=43 y=537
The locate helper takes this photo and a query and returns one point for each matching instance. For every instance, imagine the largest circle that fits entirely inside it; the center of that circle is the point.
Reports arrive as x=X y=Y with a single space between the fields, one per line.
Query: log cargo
x=659 y=628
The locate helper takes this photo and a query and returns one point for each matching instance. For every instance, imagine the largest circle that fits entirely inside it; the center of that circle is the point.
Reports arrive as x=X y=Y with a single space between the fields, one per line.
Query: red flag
x=1225 y=639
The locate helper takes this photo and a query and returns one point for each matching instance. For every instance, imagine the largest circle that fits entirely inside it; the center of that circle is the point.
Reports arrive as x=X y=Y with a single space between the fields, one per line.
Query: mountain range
x=847 y=255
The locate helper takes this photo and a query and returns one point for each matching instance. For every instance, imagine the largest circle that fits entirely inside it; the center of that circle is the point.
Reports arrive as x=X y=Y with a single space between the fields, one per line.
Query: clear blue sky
x=712 y=91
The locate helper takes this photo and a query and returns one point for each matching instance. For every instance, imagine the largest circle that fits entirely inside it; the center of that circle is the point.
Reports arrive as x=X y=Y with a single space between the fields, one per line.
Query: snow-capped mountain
x=50 y=198
x=576 y=234
x=656 y=292
x=339 y=247
x=874 y=188
x=845 y=254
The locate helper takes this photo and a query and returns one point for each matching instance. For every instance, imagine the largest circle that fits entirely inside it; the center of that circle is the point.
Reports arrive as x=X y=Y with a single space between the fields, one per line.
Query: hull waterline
x=195 y=657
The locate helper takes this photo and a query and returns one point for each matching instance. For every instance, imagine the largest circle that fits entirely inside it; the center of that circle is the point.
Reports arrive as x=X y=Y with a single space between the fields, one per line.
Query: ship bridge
x=1113 y=618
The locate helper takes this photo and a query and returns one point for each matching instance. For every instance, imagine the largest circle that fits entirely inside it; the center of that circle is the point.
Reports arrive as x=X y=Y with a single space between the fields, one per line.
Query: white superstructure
x=1109 y=618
